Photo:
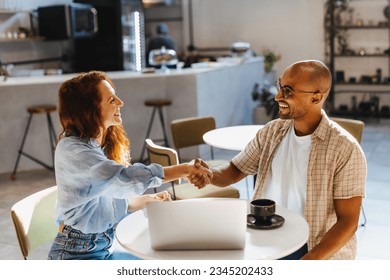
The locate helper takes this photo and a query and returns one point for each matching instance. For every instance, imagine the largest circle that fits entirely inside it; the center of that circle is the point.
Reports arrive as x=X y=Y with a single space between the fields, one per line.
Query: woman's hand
x=162 y=196
x=139 y=202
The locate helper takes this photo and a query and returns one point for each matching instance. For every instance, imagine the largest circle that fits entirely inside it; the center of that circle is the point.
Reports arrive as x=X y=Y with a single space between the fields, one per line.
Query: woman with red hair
x=97 y=184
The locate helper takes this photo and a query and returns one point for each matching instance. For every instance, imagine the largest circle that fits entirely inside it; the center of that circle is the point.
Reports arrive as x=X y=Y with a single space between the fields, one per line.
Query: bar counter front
x=220 y=90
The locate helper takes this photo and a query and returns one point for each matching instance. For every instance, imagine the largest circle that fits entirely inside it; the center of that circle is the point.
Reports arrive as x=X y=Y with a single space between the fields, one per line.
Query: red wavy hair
x=80 y=115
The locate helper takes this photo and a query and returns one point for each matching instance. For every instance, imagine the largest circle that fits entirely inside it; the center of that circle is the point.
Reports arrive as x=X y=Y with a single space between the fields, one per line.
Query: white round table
x=231 y=137
x=133 y=234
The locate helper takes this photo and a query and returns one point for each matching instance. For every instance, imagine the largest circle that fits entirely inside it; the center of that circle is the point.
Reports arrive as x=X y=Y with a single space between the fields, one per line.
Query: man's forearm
x=333 y=241
x=225 y=175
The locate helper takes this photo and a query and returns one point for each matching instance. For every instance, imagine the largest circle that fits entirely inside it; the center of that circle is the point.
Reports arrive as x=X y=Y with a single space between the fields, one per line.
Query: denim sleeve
x=85 y=167
x=120 y=182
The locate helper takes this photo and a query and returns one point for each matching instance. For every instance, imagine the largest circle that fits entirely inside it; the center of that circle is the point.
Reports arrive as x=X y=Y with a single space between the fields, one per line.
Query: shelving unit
x=172 y=15
x=7 y=16
x=23 y=51
x=358 y=38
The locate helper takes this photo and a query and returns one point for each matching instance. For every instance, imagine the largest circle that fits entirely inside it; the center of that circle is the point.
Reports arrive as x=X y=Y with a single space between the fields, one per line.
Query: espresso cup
x=262 y=209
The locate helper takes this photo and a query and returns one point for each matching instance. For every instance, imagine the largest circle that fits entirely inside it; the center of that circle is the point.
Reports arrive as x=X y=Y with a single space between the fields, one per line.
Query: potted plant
x=270 y=58
x=266 y=108
x=264 y=94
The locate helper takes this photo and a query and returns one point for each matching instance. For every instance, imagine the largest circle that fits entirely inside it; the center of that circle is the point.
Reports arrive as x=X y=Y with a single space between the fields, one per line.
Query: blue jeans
x=297 y=255
x=72 y=244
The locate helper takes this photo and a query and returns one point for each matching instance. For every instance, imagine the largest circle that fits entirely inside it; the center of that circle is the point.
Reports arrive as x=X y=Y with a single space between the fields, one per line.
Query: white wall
x=292 y=28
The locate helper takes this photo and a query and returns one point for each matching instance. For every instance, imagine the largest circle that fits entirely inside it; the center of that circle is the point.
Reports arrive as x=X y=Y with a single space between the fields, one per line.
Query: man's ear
x=316 y=98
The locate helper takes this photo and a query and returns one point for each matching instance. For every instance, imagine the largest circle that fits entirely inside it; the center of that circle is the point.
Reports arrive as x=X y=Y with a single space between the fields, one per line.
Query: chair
x=167 y=157
x=34 y=220
x=188 y=132
x=355 y=127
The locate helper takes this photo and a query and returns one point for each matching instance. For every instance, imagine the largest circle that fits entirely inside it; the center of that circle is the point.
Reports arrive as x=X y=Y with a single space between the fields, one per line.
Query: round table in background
x=231 y=137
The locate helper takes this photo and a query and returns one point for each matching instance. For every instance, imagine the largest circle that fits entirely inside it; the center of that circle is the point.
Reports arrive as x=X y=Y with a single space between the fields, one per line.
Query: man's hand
x=201 y=175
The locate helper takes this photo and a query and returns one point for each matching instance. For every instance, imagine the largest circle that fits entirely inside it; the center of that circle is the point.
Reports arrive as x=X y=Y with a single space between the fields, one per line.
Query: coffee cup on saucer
x=262 y=209
x=262 y=215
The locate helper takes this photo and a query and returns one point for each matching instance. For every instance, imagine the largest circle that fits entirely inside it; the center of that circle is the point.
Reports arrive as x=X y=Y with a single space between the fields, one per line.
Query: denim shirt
x=93 y=190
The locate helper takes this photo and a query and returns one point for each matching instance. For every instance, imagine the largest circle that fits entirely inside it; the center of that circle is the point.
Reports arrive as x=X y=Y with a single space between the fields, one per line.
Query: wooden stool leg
x=141 y=158
x=53 y=142
x=160 y=112
x=13 y=174
x=52 y=135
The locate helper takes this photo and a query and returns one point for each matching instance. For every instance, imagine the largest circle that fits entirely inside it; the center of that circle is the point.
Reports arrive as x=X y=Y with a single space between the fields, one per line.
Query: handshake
x=200 y=173
x=197 y=172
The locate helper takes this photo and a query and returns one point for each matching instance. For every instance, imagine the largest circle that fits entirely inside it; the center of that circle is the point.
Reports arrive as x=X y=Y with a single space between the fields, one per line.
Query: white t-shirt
x=287 y=183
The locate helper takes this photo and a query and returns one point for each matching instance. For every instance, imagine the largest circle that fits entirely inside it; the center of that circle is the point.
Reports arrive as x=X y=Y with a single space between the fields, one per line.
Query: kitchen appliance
x=163 y=57
x=120 y=41
x=240 y=48
x=60 y=22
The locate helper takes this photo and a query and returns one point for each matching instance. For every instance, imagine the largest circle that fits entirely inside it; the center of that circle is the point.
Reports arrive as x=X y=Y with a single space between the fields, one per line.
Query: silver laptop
x=197 y=224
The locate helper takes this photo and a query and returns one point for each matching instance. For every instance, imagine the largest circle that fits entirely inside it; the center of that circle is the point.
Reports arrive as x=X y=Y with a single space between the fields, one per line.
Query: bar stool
x=157 y=105
x=38 y=109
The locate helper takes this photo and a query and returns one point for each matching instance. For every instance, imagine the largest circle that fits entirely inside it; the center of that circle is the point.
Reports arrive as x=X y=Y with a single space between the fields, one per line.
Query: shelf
x=360 y=114
x=362 y=84
x=164 y=19
x=28 y=39
x=159 y=5
x=364 y=91
x=361 y=27
x=362 y=56
x=10 y=12
x=164 y=13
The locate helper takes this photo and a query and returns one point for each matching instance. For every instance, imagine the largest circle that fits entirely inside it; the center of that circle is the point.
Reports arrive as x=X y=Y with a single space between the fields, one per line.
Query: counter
x=223 y=91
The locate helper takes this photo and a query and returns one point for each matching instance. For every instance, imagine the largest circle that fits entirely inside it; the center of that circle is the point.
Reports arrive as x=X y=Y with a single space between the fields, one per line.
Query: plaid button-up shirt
x=337 y=170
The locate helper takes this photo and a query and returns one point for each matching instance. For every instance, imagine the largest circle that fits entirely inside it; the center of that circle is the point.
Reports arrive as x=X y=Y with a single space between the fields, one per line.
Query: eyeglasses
x=287 y=91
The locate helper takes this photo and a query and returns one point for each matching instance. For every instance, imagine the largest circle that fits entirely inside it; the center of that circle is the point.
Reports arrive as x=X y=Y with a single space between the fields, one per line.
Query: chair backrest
x=355 y=127
x=34 y=219
x=167 y=157
x=188 y=132
x=162 y=155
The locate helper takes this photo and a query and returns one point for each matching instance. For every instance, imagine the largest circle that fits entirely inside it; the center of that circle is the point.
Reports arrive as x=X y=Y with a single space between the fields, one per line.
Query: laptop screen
x=197 y=224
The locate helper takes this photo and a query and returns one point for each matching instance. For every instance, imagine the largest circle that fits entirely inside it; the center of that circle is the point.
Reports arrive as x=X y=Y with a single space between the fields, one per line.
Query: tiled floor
x=373 y=241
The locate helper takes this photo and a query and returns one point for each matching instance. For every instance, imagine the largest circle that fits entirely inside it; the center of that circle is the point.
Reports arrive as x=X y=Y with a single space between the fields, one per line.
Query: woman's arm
x=139 y=202
x=193 y=169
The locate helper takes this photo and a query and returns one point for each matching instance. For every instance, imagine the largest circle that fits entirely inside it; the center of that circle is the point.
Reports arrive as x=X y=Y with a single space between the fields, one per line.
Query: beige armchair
x=34 y=220
x=355 y=127
x=188 y=132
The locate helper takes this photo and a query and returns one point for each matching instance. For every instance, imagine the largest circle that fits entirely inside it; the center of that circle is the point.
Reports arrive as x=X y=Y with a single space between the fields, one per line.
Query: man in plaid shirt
x=307 y=163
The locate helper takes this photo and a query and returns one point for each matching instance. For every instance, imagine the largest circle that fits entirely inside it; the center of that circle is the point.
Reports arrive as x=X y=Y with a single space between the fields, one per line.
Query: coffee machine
x=119 y=43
